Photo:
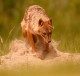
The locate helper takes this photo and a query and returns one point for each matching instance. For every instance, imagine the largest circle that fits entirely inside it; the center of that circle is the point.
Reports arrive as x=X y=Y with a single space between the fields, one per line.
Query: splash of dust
x=20 y=53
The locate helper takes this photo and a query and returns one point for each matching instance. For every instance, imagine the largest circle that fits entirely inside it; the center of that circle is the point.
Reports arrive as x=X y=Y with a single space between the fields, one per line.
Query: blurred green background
x=66 y=21
x=64 y=13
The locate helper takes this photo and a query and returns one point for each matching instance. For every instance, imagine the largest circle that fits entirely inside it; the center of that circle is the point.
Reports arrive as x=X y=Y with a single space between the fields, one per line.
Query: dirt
x=20 y=54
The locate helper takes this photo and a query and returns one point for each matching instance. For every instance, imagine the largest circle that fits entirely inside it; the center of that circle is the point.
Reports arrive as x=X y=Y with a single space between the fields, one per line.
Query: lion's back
x=33 y=10
x=32 y=16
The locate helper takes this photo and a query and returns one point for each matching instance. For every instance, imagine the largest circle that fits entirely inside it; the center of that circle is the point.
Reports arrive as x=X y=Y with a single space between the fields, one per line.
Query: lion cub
x=36 y=26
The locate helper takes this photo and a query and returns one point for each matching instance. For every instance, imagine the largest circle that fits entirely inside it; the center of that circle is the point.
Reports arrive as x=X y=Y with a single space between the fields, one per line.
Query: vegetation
x=59 y=70
x=65 y=15
x=66 y=21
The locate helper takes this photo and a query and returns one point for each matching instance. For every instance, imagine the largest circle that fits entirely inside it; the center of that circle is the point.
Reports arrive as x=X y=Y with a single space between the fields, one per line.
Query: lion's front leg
x=32 y=44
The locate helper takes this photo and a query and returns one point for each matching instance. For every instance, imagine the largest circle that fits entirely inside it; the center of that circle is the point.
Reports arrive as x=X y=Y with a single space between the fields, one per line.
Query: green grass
x=66 y=21
x=59 y=70
x=65 y=15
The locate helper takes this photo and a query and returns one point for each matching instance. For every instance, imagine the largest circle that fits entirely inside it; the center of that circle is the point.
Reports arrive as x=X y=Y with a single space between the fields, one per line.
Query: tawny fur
x=34 y=25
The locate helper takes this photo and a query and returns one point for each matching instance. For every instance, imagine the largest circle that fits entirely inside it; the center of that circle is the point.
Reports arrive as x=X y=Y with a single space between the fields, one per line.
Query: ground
x=20 y=54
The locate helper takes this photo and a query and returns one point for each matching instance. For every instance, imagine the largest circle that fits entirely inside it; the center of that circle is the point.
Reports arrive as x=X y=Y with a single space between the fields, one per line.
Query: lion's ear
x=50 y=21
x=40 y=22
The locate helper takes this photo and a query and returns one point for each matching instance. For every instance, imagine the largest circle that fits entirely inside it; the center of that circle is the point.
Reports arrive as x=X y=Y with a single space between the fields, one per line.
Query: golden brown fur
x=36 y=26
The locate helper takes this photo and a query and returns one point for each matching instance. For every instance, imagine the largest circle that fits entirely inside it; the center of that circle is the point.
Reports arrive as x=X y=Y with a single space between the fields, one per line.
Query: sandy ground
x=20 y=54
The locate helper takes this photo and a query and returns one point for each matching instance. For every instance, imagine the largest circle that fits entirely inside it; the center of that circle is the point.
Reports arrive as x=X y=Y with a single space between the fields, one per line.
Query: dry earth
x=20 y=54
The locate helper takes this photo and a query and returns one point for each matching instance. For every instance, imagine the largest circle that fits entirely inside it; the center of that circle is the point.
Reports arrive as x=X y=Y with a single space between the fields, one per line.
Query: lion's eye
x=44 y=33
